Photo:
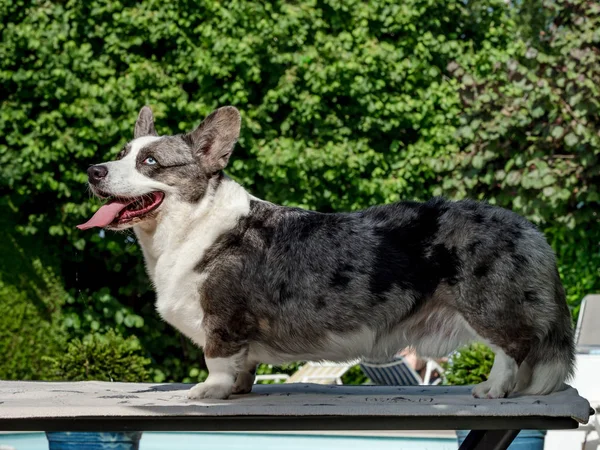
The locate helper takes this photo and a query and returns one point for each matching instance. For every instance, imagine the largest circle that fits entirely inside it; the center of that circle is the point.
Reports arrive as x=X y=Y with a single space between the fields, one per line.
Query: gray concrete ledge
x=93 y=406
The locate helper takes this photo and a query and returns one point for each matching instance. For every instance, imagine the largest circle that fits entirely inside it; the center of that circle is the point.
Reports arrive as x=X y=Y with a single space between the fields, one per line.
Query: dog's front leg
x=224 y=361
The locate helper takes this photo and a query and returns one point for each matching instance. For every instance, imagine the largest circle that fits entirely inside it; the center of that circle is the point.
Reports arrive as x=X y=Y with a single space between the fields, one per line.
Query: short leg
x=502 y=379
x=223 y=366
x=245 y=378
x=523 y=376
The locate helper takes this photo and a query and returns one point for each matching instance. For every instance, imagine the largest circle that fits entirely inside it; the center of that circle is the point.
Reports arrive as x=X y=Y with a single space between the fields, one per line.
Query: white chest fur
x=178 y=288
x=174 y=247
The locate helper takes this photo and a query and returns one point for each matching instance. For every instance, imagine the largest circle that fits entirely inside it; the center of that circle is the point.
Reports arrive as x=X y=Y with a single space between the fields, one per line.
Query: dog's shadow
x=168 y=387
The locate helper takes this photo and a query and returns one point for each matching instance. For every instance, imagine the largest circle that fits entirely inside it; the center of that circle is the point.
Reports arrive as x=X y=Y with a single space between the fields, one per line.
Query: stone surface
x=36 y=400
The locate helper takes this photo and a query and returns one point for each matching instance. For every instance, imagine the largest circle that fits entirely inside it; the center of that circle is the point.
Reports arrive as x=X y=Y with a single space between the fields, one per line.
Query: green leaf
x=557 y=132
x=571 y=139
x=537 y=112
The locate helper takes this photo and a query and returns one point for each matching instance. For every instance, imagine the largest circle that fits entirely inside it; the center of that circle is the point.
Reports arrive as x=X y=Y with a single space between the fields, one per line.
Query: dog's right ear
x=213 y=141
x=144 y=126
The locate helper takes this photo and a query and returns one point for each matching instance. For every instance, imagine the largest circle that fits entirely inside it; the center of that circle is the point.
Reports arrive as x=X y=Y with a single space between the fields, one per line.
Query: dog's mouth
x=120 y=211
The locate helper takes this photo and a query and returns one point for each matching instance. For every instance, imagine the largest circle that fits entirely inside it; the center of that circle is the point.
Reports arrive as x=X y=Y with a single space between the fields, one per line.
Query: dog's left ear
x=144 y=126
x=215 y=137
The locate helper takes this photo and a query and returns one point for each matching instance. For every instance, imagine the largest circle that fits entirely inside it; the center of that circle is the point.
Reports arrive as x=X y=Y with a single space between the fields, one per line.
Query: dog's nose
x=97 y=173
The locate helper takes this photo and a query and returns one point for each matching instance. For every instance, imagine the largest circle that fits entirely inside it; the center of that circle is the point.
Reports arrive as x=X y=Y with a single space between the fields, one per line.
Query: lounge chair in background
x=319 y=373
x=399 y=373
x=587 y=333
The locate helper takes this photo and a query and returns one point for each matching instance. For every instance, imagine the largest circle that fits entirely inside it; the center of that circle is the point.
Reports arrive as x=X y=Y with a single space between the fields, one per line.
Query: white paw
x=210 y=390
x=489 y=389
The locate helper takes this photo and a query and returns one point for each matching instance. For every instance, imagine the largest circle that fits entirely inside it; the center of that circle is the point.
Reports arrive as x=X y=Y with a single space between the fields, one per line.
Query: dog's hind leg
x=502 y=378
x=245 y=378
x=510 y=342
x=551 y=359
x=549 y=363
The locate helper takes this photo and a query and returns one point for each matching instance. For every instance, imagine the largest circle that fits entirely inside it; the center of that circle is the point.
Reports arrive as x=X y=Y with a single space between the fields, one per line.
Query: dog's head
x=152 y=170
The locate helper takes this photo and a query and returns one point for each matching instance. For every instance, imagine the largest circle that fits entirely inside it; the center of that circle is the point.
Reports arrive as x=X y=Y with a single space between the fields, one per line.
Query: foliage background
x=345 y=104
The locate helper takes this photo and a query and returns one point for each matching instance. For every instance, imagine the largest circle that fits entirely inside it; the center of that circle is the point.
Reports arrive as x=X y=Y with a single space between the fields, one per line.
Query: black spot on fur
x=531 y=297
x=284 y=293
x=257 y=226
x=342 y=277
x=514 y=233
x=308 y=225
x=520 y=262
x=510 y=246
x=473 y=246
x=478 y=218
x=375 y=300
x=400 y=256
x=507 y=241
x=471 y=205
x=320 y=303
x=482 y=269
x=446 y=263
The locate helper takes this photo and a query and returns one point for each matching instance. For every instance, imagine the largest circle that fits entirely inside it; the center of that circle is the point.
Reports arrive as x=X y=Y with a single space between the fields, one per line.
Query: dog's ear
x=215 y=137
x=144 y=126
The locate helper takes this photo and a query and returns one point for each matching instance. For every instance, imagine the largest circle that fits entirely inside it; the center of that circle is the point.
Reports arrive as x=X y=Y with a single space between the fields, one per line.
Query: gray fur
x=302 y=275
x=176 y=166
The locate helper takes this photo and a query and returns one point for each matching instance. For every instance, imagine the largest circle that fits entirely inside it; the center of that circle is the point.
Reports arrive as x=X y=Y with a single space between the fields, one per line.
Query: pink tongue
x=105 y=215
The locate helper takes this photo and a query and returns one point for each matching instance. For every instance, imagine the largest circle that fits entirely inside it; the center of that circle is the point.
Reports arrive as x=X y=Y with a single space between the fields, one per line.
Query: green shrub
x=469 y=365
x=27 y=334
x=107 y=357
x=355 y=376
x=31 y=297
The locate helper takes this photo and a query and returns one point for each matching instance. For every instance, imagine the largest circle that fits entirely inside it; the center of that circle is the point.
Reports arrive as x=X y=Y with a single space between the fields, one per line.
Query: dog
x=253 y=282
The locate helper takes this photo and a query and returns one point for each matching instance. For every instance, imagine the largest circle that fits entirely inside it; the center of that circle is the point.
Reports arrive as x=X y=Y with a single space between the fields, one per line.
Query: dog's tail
x=550 y=361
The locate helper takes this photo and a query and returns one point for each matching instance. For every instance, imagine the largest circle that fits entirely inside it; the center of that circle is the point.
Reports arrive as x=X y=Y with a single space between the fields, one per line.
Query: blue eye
x=150 y=161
